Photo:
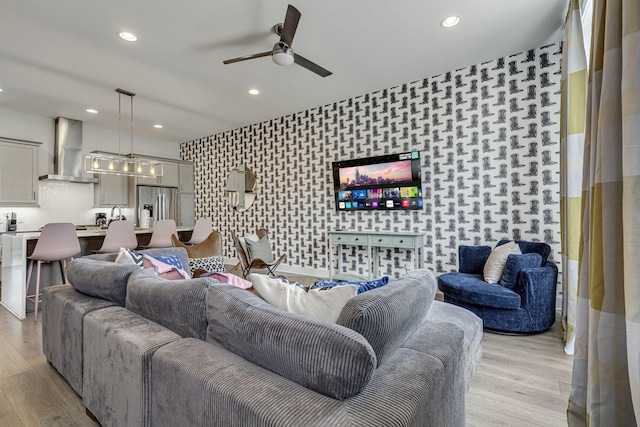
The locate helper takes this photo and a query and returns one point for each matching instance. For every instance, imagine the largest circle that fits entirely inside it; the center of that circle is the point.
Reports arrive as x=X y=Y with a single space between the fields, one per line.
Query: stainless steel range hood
x=68 y=160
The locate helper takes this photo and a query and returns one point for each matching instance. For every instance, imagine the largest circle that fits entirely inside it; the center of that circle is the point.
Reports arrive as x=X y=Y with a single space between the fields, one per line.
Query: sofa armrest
x=537 y=285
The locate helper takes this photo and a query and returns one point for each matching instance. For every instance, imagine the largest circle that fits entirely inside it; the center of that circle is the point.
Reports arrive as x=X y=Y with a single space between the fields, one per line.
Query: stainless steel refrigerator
x=162 y=203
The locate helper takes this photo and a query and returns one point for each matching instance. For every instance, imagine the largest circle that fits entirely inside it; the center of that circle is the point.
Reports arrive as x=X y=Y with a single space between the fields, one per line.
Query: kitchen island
x=17 y=246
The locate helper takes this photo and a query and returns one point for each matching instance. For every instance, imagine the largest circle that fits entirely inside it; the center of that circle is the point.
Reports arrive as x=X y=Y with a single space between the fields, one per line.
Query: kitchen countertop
x=30 y=235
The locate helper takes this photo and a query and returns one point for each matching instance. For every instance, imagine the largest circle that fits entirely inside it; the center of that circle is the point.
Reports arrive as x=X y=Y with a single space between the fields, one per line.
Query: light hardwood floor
x=521 y=381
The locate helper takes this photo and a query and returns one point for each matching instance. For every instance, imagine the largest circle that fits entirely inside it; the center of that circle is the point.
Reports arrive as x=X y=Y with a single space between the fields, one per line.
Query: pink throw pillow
x=164 y=270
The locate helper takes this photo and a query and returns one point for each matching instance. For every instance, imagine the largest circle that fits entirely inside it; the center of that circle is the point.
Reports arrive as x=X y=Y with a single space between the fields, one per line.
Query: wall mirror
x=241 y=188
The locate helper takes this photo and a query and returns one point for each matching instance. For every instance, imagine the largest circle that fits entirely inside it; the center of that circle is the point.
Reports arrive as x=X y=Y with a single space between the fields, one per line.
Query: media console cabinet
x=373 y=241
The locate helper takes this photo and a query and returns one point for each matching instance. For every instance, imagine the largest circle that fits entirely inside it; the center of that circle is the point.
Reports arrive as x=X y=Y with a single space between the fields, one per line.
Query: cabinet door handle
x=401 y=241
x=356 y=239
x=379 y=240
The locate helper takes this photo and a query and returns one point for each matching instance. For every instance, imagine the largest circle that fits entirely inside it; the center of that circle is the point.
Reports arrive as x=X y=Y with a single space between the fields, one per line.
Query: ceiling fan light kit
x=282 y=53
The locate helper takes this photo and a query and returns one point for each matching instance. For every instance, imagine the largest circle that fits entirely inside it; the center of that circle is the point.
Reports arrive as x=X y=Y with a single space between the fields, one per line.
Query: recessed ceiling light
x=125 y=35
x=451 y=21
x=92 y=111
x=254 y=91
x=0 y=89
x=157 y=126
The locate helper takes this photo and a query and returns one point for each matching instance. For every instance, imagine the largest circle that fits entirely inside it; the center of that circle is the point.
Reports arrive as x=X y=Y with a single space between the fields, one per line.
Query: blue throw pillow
x=171 y=260
x=473 y=258
x=515 y=264
x=362 y=285
x=531 y=247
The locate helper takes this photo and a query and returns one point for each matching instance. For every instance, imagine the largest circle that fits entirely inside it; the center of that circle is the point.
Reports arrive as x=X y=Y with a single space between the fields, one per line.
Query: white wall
x=65 y=201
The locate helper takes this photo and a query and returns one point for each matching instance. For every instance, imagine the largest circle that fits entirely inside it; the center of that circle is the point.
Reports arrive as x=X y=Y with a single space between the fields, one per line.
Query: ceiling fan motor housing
x=282 y=54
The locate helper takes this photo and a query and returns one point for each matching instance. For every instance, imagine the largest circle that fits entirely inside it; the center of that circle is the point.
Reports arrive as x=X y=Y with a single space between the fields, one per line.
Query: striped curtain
x=605 y=389
x=572 y=124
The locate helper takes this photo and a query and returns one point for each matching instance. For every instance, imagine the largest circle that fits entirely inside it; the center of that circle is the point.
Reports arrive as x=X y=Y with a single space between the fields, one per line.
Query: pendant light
x=119 y=164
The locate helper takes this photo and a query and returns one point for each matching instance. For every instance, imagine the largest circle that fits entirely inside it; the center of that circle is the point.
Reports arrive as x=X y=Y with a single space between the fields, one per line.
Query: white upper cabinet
x=186 y=178
x=111 y=190
x=18 y=173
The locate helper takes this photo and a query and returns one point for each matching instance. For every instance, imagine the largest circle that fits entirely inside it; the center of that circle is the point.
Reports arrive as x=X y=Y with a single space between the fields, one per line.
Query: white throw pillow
x=497 y=260
x=321 y=305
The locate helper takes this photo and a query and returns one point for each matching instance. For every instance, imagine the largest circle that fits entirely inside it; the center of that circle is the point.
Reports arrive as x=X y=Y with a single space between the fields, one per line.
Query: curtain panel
x=572 y=127
x=605 y=387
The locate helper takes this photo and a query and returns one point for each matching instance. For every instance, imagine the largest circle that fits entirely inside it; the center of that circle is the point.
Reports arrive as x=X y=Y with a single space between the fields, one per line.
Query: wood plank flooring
x=521 y=381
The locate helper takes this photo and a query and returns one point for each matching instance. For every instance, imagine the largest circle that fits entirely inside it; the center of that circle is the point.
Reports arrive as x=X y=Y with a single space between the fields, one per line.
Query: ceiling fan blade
x=311 y=66
x=290 y=25
x=246 y=57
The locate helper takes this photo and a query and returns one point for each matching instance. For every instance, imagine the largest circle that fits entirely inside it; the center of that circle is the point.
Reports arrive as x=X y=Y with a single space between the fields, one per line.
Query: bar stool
x=120 y=234
x=58 y=242
x=201 y=230
x=162 y=231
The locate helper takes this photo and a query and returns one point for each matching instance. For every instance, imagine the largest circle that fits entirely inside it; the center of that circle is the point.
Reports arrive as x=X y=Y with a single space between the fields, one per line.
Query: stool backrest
x=202 y=230
x=57 y=241
x=119 y=235
x=162 y=231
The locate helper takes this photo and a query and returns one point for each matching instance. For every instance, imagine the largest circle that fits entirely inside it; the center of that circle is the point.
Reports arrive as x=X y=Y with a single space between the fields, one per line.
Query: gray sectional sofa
x=144 y=351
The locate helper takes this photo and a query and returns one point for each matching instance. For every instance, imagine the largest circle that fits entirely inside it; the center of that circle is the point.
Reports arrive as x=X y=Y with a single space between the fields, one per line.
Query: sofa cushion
x=319 y=304
x=472 y=258
x=324 y=357
x=101 y=279
x=386 y=316
x=472 y=289
x=175 y=304
x=494 y=266
x=531 y=247
x=515 y=264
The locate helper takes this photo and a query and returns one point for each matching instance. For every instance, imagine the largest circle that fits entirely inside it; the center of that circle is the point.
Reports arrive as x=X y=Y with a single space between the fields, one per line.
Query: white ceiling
x=58 y=58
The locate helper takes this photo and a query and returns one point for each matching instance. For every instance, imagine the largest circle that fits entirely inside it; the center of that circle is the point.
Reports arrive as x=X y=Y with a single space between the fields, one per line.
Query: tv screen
x=378 y=183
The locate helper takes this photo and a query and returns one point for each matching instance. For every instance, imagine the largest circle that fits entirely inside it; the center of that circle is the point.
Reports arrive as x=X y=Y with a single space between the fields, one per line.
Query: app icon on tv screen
x=344 y=195
x=347 y=205
x=374 y=205
x=359 y=194
x=408 y=192
x=375 y=193
x=391 y=193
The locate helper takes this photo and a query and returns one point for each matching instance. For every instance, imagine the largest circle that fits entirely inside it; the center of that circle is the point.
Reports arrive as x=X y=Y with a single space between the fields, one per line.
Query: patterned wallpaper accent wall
x=488 y=135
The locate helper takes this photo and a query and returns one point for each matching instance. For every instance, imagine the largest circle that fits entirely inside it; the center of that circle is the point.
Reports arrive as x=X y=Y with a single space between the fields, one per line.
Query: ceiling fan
x=282 y=54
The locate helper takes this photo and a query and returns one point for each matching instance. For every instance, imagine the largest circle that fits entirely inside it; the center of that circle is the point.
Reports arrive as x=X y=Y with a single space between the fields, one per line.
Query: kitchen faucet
x=119 y=217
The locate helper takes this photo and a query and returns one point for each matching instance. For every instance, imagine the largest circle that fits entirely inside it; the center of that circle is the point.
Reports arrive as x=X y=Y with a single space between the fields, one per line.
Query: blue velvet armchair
x=524 y=300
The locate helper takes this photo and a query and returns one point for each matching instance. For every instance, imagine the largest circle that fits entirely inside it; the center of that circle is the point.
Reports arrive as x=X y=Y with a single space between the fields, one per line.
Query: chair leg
x=63 y=266
x=36 y=300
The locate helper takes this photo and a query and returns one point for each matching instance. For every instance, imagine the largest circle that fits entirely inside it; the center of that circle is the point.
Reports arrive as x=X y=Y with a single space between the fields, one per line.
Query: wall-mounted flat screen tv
x=378 y=183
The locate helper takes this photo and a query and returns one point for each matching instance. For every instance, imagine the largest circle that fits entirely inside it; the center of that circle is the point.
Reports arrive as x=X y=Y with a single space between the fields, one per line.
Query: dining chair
x=162 y=231
x=120 y=234
x=58 y=241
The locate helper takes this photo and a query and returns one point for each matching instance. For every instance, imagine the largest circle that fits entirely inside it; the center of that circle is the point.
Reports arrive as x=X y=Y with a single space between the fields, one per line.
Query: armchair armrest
x=537 y=286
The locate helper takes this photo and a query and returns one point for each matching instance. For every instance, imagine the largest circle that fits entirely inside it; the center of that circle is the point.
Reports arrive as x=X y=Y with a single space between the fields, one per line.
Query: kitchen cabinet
x=186 y=178
x=169 y=178
x=111 y=190
x=187 y=209
x=18 y=172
